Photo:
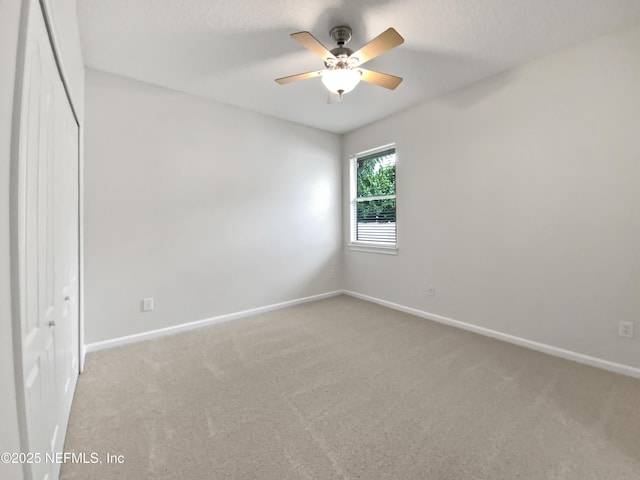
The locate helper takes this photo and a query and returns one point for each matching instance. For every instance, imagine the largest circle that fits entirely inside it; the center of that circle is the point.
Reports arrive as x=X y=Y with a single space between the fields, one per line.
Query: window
x=373 y=198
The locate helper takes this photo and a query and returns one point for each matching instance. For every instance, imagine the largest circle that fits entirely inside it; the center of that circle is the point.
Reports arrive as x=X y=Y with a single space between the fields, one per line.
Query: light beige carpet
x=345 y=389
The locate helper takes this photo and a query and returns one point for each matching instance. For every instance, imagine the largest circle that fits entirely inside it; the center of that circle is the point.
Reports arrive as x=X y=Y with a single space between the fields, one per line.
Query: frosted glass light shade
x=341 y=80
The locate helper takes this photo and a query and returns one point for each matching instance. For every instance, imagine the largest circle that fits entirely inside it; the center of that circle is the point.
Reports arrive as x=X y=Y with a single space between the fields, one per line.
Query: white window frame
x=354 y=244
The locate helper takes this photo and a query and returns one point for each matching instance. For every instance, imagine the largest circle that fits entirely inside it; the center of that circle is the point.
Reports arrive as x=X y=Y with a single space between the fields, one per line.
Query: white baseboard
x=523 y=342
x=162 y=332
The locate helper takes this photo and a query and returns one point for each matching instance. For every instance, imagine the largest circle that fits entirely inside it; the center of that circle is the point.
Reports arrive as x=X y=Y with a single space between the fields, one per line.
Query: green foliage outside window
x=377 y=177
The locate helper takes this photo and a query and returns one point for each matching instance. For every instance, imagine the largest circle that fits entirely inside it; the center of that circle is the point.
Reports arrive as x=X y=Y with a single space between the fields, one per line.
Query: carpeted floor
x=345 y=389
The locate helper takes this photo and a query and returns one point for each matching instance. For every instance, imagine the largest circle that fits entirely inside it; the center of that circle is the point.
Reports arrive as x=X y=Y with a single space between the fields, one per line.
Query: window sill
x=363 y=247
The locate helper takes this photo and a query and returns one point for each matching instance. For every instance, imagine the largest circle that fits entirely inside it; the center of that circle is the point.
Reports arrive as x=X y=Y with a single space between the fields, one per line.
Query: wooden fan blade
x=299 y=76
x=310 y=42
x=385 y=41
x=381 y=79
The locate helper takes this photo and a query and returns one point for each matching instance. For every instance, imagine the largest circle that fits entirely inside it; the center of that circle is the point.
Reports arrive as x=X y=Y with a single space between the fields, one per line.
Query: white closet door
x=47 y=247
x=66 y=251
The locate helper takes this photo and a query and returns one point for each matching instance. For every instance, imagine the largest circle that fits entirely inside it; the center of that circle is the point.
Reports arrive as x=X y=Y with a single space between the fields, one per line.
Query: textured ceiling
x=232 y=50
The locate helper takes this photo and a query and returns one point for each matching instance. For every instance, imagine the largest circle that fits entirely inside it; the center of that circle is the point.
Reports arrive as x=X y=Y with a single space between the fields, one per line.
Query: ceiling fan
x=342 y=72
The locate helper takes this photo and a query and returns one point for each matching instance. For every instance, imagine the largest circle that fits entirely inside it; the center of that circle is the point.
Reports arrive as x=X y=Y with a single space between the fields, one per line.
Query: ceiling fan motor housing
x=342 y=54
x=341 y=35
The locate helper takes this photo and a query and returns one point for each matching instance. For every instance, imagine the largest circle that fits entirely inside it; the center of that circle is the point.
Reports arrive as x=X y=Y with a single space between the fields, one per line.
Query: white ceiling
x=232 y=50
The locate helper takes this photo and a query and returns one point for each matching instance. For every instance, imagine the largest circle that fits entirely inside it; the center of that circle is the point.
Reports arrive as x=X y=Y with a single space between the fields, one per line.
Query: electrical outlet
x=147 y=304
x=625 y=329
x=431 y=291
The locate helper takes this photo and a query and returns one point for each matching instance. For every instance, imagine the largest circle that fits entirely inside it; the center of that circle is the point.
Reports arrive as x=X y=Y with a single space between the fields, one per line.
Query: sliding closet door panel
x=37 y=249
x=67 y=247
x=47 y=247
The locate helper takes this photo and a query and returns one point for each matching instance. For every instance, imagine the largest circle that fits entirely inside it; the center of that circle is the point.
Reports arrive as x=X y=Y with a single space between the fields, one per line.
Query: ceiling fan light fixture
x=341 y=80
x=342 y=65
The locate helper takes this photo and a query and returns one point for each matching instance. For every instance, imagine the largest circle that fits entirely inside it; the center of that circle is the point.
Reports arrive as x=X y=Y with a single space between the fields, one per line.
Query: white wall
x=207 y=208
x=518 y=201
x=9 y=436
